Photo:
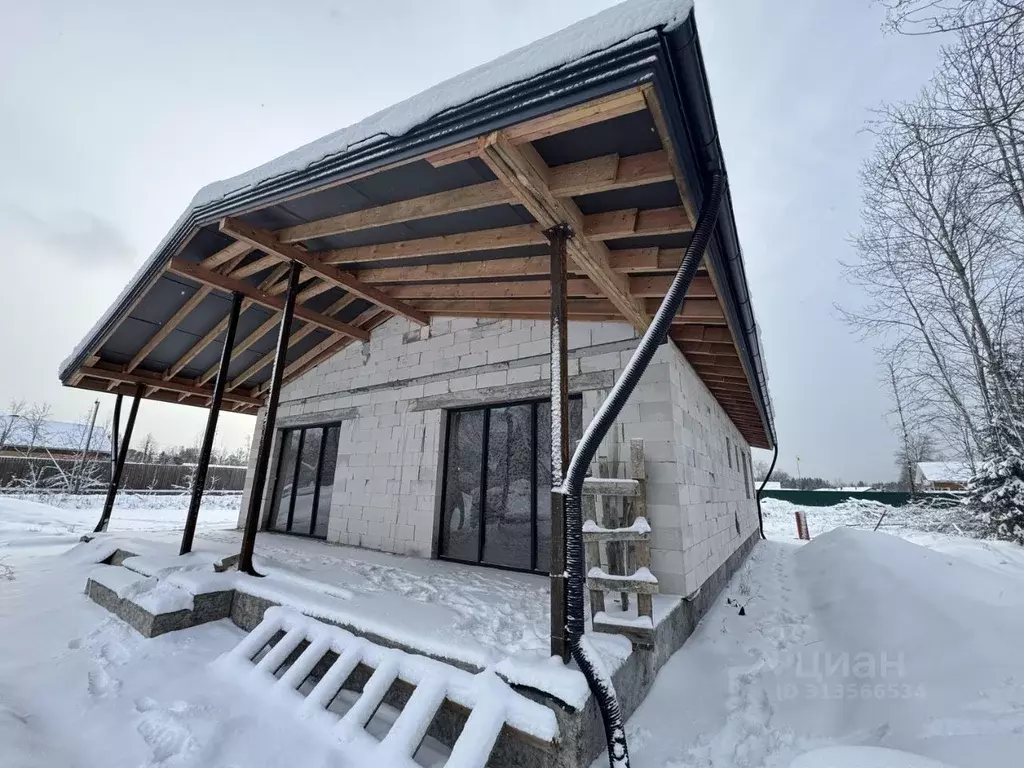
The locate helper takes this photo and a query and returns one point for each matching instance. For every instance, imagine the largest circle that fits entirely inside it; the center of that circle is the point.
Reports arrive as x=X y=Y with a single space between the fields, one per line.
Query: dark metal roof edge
x=684 y=87
x=600 y=74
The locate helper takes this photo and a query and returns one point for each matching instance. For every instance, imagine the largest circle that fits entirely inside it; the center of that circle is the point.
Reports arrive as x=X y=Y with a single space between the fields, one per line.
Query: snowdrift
x=923 y=647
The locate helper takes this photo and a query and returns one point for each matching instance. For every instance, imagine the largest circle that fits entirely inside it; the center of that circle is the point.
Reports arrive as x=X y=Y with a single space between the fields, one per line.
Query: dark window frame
x=283 y=435
x=535 y=402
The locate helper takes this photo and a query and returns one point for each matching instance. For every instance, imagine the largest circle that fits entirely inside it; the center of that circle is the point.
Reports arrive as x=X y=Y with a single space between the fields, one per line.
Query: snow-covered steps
x=338 y=684
x=154 y=605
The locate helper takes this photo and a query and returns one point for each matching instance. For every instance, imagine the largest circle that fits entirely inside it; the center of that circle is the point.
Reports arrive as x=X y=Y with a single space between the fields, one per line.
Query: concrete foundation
x=582 y=732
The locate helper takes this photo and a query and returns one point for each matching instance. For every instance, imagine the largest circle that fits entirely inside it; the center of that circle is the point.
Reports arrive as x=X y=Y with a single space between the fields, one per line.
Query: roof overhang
x=446 y=220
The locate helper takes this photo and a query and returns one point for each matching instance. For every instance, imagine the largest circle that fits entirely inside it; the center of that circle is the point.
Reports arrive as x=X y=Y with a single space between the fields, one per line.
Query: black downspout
x=760 y=517
x=599 y=681
x=203 y=461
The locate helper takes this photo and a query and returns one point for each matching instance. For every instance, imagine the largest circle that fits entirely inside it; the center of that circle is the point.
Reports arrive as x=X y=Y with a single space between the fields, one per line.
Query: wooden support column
x=266 y=436
x=558 y=236
x=203 y=462
x=121 y=450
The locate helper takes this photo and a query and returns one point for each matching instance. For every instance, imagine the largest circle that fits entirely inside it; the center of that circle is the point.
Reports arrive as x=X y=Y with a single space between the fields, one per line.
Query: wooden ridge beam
x=193 y=271
x=596 y=111
x=598 y=174
x=267 y=243
x=172 y=385
x=524 y=172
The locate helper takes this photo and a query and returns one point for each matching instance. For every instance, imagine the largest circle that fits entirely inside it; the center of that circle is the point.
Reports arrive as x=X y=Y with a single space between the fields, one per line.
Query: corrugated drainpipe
x=590 y=664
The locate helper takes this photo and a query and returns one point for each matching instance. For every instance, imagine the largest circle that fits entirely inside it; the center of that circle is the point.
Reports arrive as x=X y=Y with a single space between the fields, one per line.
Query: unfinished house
x=382 y=301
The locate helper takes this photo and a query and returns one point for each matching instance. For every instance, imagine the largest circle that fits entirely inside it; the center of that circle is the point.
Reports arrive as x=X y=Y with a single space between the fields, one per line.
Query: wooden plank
x=260 y=264
x=661 y=126
x=608 y=172
x=580 y=308
x=168 y=327
x=598 y=174
x=605 y=108
x=636 y=223
x=223 y=256
x=173 y=385
x=482 y=240
x=296 y=337
x=615 y=534
x=628 y=261
x=598 y=226
x=329 y=347
x=193 y=271
x=593 y=553
x=645 y=287
x=610 y=486
x=178 y=317
x=623 y=584
x=470 y=198
x=266 y=242
x=525 y=173
x=272 y=322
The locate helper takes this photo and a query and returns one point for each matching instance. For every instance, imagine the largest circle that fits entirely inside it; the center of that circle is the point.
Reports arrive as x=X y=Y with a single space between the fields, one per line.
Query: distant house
x=773 y=485
x=58 y=439
x=942 y=475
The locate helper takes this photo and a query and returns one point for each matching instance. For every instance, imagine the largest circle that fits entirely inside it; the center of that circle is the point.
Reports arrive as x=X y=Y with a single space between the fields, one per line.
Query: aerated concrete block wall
x=391 y=395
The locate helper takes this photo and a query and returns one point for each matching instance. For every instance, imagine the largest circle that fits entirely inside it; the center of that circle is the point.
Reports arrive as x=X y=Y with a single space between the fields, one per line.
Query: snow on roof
x=945 y=471
x=614 y=26
x=54 y=435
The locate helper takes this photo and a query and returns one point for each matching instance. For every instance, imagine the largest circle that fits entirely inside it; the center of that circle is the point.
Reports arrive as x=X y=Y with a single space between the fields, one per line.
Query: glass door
x=496 y=505
x=301 y=502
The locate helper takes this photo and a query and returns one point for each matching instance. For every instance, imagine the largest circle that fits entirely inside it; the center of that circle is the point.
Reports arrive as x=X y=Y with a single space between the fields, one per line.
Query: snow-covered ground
x=856 y=640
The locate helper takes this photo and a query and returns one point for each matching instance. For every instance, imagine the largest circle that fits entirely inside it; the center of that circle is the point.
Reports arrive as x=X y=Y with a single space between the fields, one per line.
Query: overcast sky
x=113 y=114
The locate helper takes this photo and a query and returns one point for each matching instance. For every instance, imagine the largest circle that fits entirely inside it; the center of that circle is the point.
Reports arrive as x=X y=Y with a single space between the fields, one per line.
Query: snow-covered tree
x=996 y=492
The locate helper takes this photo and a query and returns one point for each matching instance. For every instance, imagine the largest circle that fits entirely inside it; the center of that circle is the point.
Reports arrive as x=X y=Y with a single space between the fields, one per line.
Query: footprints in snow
x=106 y=648
x=165 y=732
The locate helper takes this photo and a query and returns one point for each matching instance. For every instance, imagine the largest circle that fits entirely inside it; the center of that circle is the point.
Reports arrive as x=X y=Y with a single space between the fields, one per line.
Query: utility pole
x=88 y=445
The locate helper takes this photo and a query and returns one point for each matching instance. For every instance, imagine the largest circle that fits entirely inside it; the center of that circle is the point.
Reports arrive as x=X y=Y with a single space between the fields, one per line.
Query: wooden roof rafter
x=608 y=280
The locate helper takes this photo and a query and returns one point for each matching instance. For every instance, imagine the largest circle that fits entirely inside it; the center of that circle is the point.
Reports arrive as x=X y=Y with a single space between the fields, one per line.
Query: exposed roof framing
x=455 y=229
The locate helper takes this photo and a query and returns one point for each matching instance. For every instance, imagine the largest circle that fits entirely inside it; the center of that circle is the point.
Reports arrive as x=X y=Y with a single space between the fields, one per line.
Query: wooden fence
x=44 y=472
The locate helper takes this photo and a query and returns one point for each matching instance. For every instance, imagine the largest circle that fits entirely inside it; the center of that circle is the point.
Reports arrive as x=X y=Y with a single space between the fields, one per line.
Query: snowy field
x=855 y=640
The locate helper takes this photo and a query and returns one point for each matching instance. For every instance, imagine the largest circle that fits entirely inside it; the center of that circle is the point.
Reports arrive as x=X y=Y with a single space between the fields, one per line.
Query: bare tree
x=10 y=422
x=940 y=253
x=925 y=17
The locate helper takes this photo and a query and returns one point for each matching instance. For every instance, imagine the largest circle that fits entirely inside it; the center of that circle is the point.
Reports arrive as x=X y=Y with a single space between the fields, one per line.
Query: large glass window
x=505 y=450
x=305 y=480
